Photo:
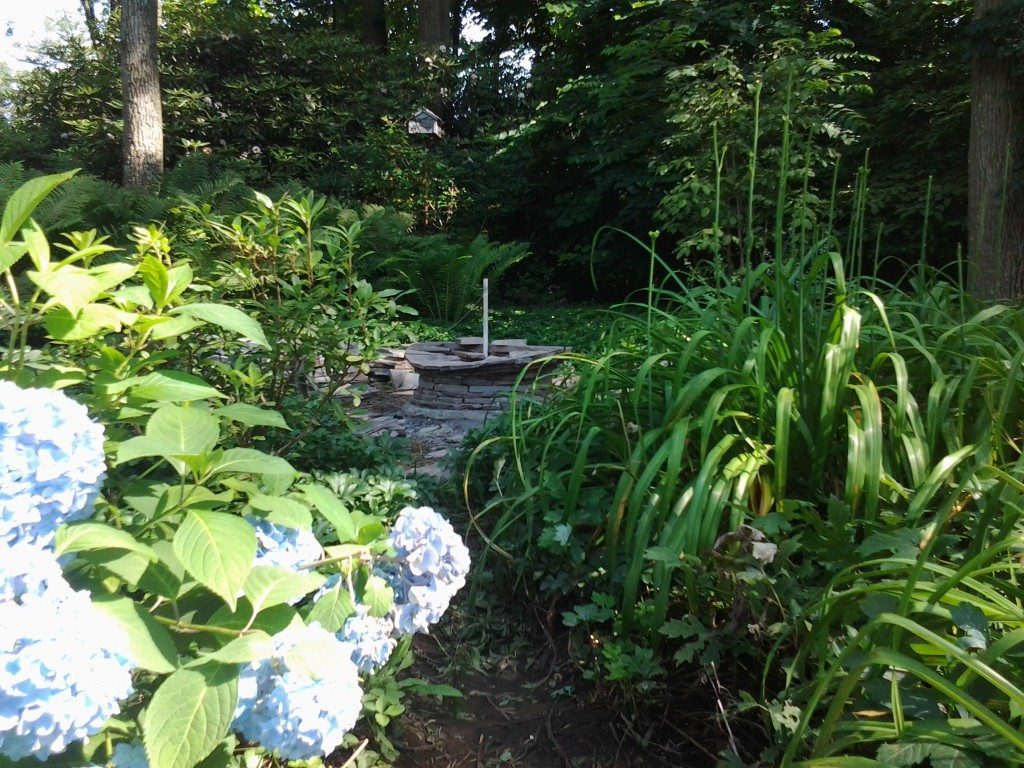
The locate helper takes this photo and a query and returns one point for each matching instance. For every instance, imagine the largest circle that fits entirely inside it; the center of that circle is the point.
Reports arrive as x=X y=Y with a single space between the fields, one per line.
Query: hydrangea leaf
x=250 y=647
x=250 y=461
x=80 y=537
x=270 y=620
x=282 y=511
x=180 y=431
x=218 y=550
x=190 y=714
x=228 y=318
x=317 y=656
x=166 y=574
x=168 y=387
x=252 y=416
x=332 y=609
x=268 y=586
x=334 y=511
x=378 y=596
x=151 y=646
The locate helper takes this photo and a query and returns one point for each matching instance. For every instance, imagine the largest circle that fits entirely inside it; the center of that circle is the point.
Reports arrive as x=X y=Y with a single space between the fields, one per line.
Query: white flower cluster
x=64 y=666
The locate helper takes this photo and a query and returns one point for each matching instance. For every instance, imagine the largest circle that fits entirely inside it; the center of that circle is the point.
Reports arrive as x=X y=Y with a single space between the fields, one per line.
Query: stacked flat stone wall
x=461 y=395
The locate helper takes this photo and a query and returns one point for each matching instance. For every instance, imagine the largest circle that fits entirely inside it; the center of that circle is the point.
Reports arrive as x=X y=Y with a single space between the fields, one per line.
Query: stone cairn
x=458 y=383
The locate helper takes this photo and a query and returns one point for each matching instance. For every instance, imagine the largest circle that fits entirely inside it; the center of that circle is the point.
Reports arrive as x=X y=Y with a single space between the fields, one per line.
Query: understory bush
x=170 y=594
x=808 y=485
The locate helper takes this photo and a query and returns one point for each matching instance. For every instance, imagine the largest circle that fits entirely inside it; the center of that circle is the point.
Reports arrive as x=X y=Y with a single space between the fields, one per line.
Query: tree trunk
x=375 y=25
x=91 y=22
x=995 y=197
x=435 y=24
x=140 y=82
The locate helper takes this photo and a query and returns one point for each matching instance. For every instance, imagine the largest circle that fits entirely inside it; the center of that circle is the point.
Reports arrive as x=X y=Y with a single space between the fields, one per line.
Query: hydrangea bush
x=163 y=598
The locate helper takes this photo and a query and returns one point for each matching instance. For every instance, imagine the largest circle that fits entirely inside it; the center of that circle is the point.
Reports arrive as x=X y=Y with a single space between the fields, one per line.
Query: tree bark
x=995 y=196
x=375 y=25
x=140 y=82
x=91 y=22
x=435 y=24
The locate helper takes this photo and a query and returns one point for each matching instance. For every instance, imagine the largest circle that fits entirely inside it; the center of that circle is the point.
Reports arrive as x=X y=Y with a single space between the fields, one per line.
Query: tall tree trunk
x=995 y=197
x=91 y=22
x=375 y=25
x=140 y=82
x=435 y=24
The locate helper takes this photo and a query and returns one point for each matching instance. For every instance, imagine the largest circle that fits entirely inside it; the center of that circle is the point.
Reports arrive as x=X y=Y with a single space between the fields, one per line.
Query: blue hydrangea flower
x=28 y=573
x=129 y=756
x=371 y=639
x=302 y=701
x=64 y=668
x=284 y=547
x=51 y=463
x=431 y=564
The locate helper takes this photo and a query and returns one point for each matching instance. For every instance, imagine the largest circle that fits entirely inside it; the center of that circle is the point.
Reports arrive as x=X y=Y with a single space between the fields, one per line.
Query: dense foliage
x=207 y=588
x=804 y=484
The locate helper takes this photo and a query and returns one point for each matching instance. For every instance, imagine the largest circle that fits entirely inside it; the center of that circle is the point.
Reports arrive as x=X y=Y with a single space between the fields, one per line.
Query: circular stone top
x=466 y=355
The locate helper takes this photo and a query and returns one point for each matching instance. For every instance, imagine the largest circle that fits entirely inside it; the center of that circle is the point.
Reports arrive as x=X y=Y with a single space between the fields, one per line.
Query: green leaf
x=314 y=655
x=378 y=596
x=79 y=537
x=93 y=320
x=156 y=279
x=251 y=461
x=218 y=550
x=332 y=609
x=252 y=416
x=253 y=646
x=180 y=431
x=168 y=387
x=333 y=510
x=228 y=318
x=267 y=586
x=151 y=646
x=426 y=688
x=190 y=713
x=26 y=199
x=281 y=510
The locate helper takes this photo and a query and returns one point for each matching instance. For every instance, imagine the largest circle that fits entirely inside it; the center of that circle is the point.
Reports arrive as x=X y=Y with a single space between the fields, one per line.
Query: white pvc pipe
x=487 y=340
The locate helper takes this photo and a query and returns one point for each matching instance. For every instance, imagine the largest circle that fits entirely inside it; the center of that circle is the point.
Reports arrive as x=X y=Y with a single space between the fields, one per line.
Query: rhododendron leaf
x=151 y=646
x=190 y=713
x=218 y=550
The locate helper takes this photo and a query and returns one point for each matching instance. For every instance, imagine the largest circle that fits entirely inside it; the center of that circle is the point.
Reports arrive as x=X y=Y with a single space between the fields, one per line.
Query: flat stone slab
x=433 y=356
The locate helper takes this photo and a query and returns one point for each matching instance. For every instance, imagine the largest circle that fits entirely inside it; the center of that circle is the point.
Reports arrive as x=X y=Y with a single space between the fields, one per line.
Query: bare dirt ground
x=516 y=711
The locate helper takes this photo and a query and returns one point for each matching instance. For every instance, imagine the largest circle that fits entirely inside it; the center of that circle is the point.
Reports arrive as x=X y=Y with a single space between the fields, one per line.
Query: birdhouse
x=426 y=123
